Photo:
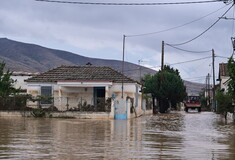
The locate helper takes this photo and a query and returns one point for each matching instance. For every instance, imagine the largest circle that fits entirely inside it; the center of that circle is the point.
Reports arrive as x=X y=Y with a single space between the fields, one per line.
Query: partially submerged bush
x=38 y=112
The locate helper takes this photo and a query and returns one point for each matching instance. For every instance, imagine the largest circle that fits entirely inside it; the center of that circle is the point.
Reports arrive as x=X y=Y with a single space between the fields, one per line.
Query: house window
x=46 y=93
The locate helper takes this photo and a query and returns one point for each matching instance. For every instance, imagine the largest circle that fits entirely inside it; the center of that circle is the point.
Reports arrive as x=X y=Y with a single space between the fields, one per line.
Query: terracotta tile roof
x=81 y=73
x=223 y=69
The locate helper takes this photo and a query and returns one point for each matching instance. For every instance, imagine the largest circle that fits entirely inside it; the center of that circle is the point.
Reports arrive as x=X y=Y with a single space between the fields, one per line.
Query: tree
x=150 y=87
x=231 y=72
x=6 y=82
x=167 y=86
x=224 y=103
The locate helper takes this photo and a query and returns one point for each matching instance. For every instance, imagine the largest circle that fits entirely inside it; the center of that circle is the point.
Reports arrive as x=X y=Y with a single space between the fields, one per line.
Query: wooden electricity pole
x=162 y=65
x=213 y=72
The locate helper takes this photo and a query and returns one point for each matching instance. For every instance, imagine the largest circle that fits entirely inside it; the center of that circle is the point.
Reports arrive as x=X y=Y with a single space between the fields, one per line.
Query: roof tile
x=81 y=73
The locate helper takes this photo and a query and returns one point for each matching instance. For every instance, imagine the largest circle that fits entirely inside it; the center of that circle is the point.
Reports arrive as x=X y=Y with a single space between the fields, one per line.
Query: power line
x=203 y=31
x=188 y=50
x=143 y=68
x=172 y=28
x=128 y=4
x=190 y=61
x=196 y=77
x=222 y=57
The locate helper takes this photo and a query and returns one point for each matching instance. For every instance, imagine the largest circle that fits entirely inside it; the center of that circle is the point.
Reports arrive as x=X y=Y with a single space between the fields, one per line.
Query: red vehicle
x=193 y=102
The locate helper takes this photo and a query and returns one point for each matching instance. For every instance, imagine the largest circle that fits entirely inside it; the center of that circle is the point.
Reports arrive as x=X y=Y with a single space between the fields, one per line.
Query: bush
x=38 y=112
x=224 y=103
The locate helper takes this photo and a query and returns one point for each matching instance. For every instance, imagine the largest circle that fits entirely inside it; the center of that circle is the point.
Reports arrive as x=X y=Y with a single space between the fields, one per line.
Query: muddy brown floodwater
x=179 y=135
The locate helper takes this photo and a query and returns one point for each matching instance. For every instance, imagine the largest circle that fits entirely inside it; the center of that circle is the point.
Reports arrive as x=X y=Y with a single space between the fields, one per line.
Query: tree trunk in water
x=161 y=103
x=164 y=105
x=154 y=106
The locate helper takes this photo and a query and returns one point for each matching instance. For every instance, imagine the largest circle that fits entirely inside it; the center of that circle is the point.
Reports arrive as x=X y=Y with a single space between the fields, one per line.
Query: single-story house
x=77 y=88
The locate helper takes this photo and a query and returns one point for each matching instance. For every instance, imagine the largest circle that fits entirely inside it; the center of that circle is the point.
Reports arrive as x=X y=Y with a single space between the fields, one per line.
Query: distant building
x=20 y=78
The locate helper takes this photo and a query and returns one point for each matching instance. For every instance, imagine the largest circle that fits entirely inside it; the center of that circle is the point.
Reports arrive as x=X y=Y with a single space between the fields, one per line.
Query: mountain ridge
x=26 y=57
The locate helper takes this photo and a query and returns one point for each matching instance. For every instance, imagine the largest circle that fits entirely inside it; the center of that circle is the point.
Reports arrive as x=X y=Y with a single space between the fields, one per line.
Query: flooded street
x=169 y=136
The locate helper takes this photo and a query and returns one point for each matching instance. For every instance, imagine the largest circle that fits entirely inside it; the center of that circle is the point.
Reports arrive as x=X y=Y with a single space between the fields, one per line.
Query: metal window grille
x=46 y=92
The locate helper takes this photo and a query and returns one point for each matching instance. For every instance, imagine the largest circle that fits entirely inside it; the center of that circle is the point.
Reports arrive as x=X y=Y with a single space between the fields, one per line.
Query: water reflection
x=168 y=136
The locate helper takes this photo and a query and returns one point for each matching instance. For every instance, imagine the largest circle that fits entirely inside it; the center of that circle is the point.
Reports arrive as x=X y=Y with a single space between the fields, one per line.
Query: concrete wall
x=231 y=117
x=14 y=114
x=129 y=90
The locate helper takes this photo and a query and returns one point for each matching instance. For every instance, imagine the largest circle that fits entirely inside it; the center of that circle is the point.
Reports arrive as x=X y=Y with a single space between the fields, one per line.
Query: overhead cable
x=190 y=61
x=128 y=4
x=222 y=57
x=207 y=51
x=195 y=77
x=179 y=26
x=205 y=30
x=143 y=68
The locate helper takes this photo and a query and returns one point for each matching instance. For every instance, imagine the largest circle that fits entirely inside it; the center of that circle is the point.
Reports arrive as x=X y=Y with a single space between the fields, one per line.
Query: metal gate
x=120 y=111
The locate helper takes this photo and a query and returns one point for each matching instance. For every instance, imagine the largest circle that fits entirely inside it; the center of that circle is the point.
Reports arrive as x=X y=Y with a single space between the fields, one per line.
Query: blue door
x=120 y=109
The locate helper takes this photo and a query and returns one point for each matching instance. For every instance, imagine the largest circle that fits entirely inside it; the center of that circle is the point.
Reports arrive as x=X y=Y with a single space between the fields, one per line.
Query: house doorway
x=99 y=96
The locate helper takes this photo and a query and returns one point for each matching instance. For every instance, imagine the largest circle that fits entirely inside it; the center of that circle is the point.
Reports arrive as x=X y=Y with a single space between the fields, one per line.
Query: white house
x=224 y=79
x=20 y=78
x=78 y=87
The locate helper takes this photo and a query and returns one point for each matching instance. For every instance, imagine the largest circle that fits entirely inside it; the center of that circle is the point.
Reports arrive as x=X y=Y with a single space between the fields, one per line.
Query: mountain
x=26 y=57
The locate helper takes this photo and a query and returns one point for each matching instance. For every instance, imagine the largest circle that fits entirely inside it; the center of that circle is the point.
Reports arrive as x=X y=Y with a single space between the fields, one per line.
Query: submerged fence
x=81 y=104
x=17 y=102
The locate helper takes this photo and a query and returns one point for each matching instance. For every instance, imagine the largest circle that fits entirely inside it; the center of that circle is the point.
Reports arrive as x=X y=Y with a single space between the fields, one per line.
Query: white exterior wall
x=73 y=93
x=35 y=90
x=73 y=96
x=223 y=84
x=20 y=81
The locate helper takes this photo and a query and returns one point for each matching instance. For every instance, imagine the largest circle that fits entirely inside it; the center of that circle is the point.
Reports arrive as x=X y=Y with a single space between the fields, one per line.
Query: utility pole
x=209 y=89
x=213 y=72
x=162 y=66
x=123 y=55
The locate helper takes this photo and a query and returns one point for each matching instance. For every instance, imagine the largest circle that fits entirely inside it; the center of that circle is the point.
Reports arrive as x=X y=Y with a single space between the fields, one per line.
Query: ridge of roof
x=84 y=72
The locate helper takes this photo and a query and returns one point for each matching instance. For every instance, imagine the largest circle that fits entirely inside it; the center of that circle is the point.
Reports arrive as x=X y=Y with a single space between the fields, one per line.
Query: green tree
x=150 y=86
x=171 y=70
x=224 y=103
x=231 y=72
x=6 y=83
x=167 y=86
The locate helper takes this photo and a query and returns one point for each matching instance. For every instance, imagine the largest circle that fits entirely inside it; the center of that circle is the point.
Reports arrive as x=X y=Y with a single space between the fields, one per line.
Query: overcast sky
x=97 y=31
